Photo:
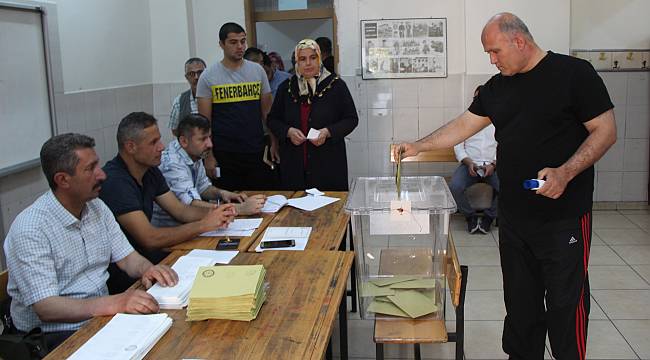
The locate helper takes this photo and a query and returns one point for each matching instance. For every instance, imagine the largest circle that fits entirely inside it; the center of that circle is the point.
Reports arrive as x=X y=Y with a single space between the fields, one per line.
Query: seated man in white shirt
x=478 y=160
x=182 y=166
x=185 y=103
x=58 y=249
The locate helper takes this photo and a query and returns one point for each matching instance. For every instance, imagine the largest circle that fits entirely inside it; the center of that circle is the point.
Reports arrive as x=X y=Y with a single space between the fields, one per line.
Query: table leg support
x=379 y=351
x=343 y=327
x=416 y=351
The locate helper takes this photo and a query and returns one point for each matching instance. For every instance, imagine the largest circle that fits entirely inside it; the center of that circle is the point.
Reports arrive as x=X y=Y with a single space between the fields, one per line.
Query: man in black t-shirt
x=134 y=182
x=554 y=120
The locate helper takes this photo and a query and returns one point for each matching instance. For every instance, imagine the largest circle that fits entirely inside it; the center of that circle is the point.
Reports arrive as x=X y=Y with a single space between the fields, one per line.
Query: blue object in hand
x=533 y=184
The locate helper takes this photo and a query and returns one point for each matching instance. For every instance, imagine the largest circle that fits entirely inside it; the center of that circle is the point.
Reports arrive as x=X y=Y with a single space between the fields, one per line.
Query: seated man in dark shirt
x=134 y=182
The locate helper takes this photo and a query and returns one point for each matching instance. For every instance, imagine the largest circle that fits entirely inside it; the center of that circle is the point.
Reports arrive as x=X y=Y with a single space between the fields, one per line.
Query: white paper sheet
x=299 y=234
x=313 y=134
x=239 y=228
x=274 y=203
x=315 y=192
x=311 y=203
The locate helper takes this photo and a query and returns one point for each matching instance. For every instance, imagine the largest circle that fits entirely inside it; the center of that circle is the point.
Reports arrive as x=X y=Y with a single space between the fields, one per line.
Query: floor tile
x=595 y=312
x=611 y=220
x=483 y=340
x=463 y=238
x=484 y=278
x=624 y=304
x=596 y=240
x=636 y=333
x=478 y=255
x=615 y=277
x=605 y=342
x=644 y=271
x=484 y=305
x=640 y=220
x=634 y=254
x=603 y=255
x=624 y=236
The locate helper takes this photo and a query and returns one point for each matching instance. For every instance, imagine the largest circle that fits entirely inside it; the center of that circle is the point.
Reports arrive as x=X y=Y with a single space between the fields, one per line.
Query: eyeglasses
x=191 y=74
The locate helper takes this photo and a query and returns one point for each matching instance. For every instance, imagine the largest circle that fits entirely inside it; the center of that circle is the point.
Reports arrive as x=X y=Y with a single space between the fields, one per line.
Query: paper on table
x=299 y=234
x=315 y=192
x=218 y=257
x=388 y=308
x=239 y=227
x=274 y=203
x=311 y=203
x=413 y=302
x=125 y=336
x=370 y=289
x=313 y=134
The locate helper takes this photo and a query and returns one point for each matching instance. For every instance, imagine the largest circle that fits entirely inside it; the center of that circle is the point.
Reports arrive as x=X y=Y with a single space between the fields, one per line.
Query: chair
x=479 y=195
x=416 y=332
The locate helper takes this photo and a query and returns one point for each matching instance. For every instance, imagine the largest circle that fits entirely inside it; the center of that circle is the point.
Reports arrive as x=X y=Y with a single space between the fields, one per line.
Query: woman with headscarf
x=313 y=100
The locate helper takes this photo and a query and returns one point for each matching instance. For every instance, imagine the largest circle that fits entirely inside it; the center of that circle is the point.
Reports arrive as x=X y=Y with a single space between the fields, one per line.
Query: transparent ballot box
x=400 y=245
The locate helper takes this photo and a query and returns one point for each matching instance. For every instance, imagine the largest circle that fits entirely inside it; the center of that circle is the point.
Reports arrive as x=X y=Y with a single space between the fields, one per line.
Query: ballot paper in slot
x=125 y=336
x=237 y=228
x=308 y=203
x=299 y=234
x=176 y=297
x=233 y=292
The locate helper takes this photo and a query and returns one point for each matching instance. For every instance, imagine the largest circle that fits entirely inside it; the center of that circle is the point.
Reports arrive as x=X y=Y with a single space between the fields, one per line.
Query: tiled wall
x=95 y=113
x=163 y=96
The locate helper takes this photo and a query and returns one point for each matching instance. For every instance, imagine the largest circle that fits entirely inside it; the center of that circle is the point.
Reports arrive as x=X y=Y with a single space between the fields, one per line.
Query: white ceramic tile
x=635 y=157
x=380 y=125
x=450 y=113
x=379 y=162
x=478 y=255
x=611 y=220
x=379 y=94
x=608 y=186
x=431 y=92
x=431 y=169
x=644 y=271
x=613 y=158
x=360 y=133
x=76 y=109
x=405 y=93
x=359 y=93
x=484 y=305
x=633 y=254
x=637 y=122
x=146 y=98
x=405 y=124
x=453 y=93
x=595 y=312
x=357 y=153
x=61 y=112
x=92 y=100
x=605 y=342
x=18 y=186
x=430 y=119
x=161 y=103
x=616 y=84
x=471 y=83
x=596 y=240
x=603 y=255
x=638 y=91
x=485 y=278
x=624 y=304
x=127 y=100
x=620 y=277
x=636 y=333
x=620 y=113
x=108 y=108
x=640 y=220
x=483 y=340
x=99 y=142
x=464 y=238
x=635 y=186
x=110 y=143
x=624 y=236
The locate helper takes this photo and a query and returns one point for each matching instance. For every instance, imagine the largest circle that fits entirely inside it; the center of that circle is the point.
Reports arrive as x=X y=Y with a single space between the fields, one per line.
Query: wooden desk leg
x=328 y=351
x=343 y=327
x=353 y=274
x=416 y=352
x=379 y=351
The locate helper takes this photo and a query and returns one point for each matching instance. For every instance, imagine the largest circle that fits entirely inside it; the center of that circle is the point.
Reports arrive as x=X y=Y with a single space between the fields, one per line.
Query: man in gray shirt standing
x=185 y=103
x=235 y=95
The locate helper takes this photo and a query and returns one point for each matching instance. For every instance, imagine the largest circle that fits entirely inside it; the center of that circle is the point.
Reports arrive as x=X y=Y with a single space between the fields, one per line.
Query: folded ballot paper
x=176 y=297
x=237 y=228
x=233 y=292
x=312 y=201
x=126 y=336
x=403 y=296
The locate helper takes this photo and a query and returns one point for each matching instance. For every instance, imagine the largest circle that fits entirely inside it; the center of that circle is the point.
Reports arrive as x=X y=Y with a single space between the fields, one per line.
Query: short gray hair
x=132 y=126
x=511 y=24
x=58 y=154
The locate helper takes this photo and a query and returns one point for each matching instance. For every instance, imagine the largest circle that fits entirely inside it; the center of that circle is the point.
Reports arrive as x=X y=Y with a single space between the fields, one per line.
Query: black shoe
x=485 y=224
x=472 y=224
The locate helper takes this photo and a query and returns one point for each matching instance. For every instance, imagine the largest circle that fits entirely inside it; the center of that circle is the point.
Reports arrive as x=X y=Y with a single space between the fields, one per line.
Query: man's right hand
x=219 y=217
x=135 y=302
x=296 y=136
x=252 y=205
x=471 y=167
x=405 y=150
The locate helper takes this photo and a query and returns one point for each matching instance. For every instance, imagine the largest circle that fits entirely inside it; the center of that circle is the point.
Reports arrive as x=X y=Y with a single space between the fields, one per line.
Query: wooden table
x=210 y=243
x=329 y=223
x=295 y=322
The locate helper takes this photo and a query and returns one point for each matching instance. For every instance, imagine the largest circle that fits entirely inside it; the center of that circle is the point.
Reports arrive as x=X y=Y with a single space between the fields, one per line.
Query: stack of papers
x=176 y=297
x=237 y=228
x=125 y=337
x=403 y=296
x=234 y=292
x=299 y=234
x=308 y=203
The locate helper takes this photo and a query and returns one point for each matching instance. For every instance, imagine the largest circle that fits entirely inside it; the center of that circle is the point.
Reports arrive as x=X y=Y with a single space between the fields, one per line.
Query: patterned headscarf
x=308 y=86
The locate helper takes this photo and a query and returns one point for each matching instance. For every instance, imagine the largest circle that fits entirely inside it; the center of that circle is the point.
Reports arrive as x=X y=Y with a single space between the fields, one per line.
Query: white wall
x=548 y=21
x=169 y=40
x=610 y=24
x=208 y=16
x=104 y=43
x=282 y=36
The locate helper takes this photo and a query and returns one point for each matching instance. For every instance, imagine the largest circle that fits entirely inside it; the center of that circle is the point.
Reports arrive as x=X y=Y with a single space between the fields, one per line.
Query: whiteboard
x=25 y=112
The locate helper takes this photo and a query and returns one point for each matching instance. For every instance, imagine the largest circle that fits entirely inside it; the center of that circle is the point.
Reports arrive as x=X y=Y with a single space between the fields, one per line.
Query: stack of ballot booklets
x=234 y=292
x=403 y=296
x=176 y=297
x=126 y=336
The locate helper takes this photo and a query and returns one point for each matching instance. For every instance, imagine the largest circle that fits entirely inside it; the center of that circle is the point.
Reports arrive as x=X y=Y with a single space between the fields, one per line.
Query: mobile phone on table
x=275 y=244
x=228 y=244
